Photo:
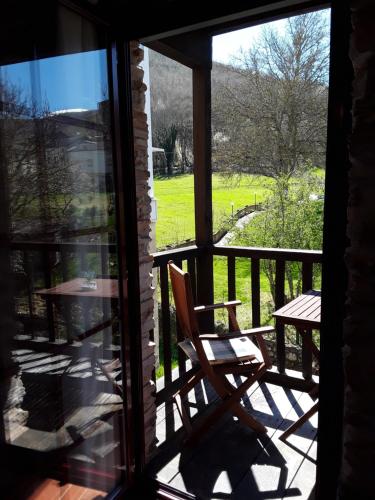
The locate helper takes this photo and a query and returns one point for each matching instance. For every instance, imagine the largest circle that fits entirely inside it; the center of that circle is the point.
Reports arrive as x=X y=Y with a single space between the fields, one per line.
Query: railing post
x=231 y=269
x=279 y=302
x=307 y=283
x=48 y=284
x=192 y=272
x=30 y=288
x=202 y=179
x=255 y=292
x=166 y=324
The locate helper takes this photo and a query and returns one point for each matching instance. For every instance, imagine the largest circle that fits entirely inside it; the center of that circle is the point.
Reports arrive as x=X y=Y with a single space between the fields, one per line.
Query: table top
x=303 y=311
x=106 y=288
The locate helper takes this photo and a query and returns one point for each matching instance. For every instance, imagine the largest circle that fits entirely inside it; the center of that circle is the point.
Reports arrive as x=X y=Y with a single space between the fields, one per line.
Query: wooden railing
x=167 y=343
x=170 y=335
x=39 y=265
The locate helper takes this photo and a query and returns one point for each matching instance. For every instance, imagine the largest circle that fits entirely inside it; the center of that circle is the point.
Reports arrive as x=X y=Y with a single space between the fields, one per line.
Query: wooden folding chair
x=217 y=355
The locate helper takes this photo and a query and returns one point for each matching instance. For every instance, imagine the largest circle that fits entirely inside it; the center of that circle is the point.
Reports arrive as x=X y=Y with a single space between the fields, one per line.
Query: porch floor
x=65 y=417
x=232 y=461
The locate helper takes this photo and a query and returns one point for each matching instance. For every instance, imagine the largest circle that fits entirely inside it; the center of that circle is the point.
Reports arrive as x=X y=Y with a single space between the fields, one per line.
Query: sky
x=225 y=46
x=79 y=81
x=74 y=81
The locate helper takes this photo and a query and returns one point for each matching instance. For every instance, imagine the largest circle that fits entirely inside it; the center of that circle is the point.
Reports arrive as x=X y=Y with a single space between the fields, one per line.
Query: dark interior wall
x=33 y=22
x=358 y=465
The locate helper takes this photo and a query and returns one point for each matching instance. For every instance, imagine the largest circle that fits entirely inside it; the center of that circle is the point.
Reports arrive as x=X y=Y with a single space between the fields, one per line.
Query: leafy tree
x=272 y=120
x=165 y=137
x=292 y=218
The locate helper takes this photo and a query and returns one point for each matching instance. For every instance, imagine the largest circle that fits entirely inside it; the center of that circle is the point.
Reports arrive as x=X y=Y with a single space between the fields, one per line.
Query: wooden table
x=304 y=313
x=107 y=288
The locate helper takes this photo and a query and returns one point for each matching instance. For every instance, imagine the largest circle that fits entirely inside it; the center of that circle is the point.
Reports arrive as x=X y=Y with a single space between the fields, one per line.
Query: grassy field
x=175 y=224
x=175 y=198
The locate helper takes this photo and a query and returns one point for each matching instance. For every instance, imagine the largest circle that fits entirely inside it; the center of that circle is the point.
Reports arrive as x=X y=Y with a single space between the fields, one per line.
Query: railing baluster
x=47 y=272
x=166 y=324
x=231 y=278
x=307 y=280
x=180 y=337
x=30 y=286
x=67 y=305
x=279 y=302
x=307 y=276
x=255 y=292
x=231 y=266
x=193 y=279
x=110 y=308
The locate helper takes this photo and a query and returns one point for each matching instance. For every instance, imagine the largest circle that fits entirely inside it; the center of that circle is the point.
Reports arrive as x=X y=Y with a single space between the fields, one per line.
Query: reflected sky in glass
x=73 y=81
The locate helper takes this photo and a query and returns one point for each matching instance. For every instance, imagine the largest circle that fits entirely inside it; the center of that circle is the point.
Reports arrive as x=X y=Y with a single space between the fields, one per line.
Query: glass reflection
x=61 y=388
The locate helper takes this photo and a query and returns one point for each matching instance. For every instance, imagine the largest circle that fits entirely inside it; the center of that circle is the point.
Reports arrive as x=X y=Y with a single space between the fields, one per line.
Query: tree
x=292 y=218
x=185 y=144
x=165 y=137
x=34 y=165
x=272 y=120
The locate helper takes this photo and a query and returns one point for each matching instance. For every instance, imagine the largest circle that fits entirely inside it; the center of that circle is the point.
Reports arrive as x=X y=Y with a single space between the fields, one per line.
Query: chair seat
x=224 y=351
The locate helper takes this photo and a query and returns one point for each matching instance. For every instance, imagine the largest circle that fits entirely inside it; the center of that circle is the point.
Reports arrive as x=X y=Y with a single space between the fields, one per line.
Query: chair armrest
x=230 y=303
x=235 y=335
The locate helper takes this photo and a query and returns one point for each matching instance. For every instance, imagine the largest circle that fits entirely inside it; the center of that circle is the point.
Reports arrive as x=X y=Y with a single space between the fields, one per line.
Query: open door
x=64 y=298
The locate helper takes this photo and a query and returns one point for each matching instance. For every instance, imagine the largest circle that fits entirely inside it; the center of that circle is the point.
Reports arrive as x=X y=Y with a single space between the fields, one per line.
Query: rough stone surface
x=293 y=356
x=358 y=463
x=144 y=229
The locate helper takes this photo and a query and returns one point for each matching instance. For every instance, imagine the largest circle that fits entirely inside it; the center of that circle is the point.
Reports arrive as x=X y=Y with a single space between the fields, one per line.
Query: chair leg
x=242 y=414
x=230 y=398
x=181 y=393
x=298 y=423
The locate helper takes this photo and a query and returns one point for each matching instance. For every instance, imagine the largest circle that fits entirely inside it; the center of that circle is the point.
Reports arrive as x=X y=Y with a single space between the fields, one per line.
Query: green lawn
x=175 y=224
x=175 y=198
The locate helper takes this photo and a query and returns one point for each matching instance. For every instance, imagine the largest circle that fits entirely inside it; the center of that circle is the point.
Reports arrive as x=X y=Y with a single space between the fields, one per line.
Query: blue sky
x=66 y=82
x=79 y=81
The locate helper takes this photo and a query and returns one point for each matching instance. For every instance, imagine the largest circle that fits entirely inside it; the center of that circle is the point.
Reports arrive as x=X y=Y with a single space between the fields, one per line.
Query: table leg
x=306 y=354
x=67 y=309
x=298 y=423
x=50 y=320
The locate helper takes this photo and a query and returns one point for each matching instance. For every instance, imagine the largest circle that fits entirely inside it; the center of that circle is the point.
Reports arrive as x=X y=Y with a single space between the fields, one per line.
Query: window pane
x=60 y=343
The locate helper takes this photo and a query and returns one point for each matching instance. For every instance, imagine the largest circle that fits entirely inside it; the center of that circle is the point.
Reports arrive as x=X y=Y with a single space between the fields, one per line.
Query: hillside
x=171 y=84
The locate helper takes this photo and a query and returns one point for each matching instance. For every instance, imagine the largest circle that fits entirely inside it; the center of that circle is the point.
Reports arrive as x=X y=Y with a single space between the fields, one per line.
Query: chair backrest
x=183 y=299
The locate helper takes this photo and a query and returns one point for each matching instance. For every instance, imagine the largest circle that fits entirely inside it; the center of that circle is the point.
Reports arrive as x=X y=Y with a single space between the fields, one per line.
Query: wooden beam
x=203 y=182
x=169 y=18
x=185 y=49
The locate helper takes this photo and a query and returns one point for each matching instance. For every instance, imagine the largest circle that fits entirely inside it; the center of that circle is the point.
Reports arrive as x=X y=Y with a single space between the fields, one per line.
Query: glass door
x=62 y=410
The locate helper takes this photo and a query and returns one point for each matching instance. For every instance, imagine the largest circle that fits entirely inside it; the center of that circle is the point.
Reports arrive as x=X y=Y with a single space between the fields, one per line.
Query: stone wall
x=293 y=356
x=144 y=239
x=358 y=464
